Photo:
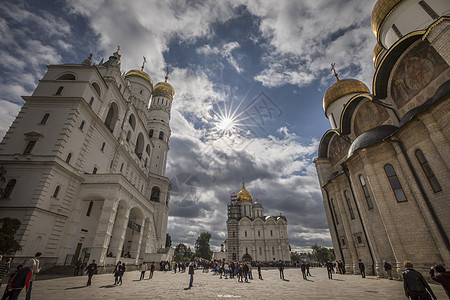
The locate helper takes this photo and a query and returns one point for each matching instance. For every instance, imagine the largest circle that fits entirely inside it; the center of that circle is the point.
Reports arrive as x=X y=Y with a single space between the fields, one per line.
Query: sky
x=249 y=78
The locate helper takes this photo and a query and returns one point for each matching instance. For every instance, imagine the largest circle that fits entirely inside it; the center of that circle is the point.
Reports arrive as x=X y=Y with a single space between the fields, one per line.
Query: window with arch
x=68 y=158
x=150 y=133
x=96 y=88
x=432 y=180
x=139 y=145
x=88 y=213
x=147 y=149
x=271 y=233
x=259 y=233
x=94 y=171
x=44 y=119
x=111 y=117
x=161 y=135
x=56 y=192
x=349 y=204
x=8 y=189
x=66 y=77
x=145 y=163
x=91 y=101
x=245 y=233
x=333 y=207
x=246 y=250
x=82 y=125
x=365 y=191
x=395 y=183
x=128 y=136
x=155 y=194
x=132 y=121
x=59 y=91
x=29 y=147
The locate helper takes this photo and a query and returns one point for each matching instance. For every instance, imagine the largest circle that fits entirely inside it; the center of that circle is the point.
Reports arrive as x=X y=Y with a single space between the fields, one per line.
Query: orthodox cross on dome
x=334 y=71
x=143 y=63
x=167 y=73
x=118 y=49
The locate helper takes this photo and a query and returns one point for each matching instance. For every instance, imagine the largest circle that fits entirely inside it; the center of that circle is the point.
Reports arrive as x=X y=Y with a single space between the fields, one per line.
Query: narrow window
x=94 y=171
x=91 y=101
x=161 y=135
x=44 y=119
x=82 y=125
x=245 y=233
x=358 y=238
x=395 y=183
x=128 y=136
x=271 y=233
x=273 y=250
x=69 y=156
x=343 y=242
x=88 y=213
x=259 y=233
x=56 y=192
x=103 y=147
x=29 y=147
x=428 y=10
x=150 y=133
x=145 y=163
x=397 y=31
x=334 y=211
x=59 y=91
x=260 y=251
x=246 y=250
x=349 y=203
x=366 y=192
x=121 y=167
x=8 y=189
x=428 y=171
x=233 y=234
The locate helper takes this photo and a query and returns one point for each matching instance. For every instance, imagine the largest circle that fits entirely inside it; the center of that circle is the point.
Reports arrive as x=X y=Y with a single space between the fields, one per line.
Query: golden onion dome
x=244 y=195
x=342 y=88
x=377 y=54
x=164 y=89
x=380 y=11
x=140 y=73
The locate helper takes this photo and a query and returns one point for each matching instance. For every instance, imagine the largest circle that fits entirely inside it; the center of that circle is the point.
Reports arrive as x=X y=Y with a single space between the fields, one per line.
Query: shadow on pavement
x=108 y=286
x=76 y=287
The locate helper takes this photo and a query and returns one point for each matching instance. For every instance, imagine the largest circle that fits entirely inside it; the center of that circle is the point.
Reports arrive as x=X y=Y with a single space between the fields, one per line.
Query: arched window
x=128 y=136
x=96 y=88
x=271 y=233
x=8 y=189
x=395 y=183
x=246 y=250
x=66 y=77
x=132 y=121
x=245 y=233
x=147 y=149
x=82 y=125
x=69 y=156
x=155 y=194
x=111 y=117
x=139 y=145
x=88 y=213
x=94 y=171
x=91 y=101
x=161 y=135
x=432 y=180
x=366 y=192
x=29 y=147
x=150 y=133
x=145 y=163
x=56 y=192
x=59 y=91
x=333 y=207
x=349 y=203
x=44 y=119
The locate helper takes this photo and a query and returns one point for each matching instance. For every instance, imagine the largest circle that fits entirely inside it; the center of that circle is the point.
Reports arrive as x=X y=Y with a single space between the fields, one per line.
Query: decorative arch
x=156 y=192
x=139 y=145
x=132 y=121
x=324 y=143
x=97 y=88
x=246 y=257
x=111 y=117
x=67 y=76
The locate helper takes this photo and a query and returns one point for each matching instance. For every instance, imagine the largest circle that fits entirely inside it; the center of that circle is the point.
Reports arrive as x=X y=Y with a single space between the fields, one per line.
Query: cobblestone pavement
x=207 y=286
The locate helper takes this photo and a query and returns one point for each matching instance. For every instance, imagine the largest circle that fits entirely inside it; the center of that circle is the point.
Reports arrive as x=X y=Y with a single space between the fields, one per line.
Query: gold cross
x=334 y=71
x=143 y=63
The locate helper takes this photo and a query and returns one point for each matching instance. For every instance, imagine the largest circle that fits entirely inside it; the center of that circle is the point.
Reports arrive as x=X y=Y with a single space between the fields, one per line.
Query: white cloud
x=8 y=112
x=224 y=51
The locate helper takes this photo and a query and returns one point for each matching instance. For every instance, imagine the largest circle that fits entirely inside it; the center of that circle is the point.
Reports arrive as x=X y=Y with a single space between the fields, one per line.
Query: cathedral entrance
x=246 y=257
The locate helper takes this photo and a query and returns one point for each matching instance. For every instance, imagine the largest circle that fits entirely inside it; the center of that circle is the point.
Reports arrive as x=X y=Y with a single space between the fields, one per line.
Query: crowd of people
x=23 y=276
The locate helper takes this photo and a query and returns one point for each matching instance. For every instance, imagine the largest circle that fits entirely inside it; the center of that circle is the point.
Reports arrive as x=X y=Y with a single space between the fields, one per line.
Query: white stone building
x=85 y=161
x=252 y=236
x=384 y=166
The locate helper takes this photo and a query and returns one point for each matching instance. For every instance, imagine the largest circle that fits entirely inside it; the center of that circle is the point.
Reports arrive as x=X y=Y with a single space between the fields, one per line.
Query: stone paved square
x=207 y=286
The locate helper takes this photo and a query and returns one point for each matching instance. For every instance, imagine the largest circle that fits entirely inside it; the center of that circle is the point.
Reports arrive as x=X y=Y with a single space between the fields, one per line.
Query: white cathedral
x=85 y=164
x=253 y=236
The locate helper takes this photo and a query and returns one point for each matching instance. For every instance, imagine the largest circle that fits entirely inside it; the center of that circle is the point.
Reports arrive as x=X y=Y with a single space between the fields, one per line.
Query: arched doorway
x=246 y=257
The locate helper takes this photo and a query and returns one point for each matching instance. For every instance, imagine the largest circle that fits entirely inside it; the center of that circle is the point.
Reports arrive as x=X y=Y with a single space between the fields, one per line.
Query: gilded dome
x=380 y=11
x=342 y=88
x=164 y=89
x=141 y=74
x=244 y=195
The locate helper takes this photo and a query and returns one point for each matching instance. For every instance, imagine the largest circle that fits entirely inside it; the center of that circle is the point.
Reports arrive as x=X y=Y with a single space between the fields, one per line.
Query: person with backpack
x=388 y=268
x=415 y=286
x=21 y=279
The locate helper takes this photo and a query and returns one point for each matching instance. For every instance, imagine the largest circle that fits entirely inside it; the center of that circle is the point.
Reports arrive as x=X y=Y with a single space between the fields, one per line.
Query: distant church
x=384 y=166
x=252 y=236
x=85 y=161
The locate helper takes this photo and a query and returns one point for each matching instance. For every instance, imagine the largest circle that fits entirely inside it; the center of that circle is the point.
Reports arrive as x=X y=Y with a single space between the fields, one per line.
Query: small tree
x=182 y=253
x=321 y=254
x=295 y=256
x=168 y=240
x=202 y=247
x=8 y=228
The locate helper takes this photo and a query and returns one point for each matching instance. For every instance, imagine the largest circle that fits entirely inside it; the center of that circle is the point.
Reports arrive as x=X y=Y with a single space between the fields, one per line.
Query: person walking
x=143 y=270
x=415 y=286
x=362 y=269
x=152 y=269
x=33 y=264
x=91 y=270
x=303 y=268
x=78 y=265
x=121 y=272
x=307 y=269
x=442 y=276
x=21 y=279
x=245 y=271
x=330 y=269
x=259 y=272
x=116 y=272
x=388 y=268
x=281 y=269
x=250 y=271
x=191 y=274
x=4 y=268
x=84 y=266
x=8 y=292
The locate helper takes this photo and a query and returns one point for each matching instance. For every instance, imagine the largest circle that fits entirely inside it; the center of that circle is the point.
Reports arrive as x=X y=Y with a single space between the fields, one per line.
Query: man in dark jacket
x=191 y=273
x=21 y=279
x=414 y=284
x=91 y=270
x=362 y=269
x=281 y=268
x=442 y=276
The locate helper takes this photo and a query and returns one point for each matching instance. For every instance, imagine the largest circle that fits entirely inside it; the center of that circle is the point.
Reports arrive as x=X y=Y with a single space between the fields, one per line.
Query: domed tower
x=141 y=86
x=338 y=95
x=245 y=202
x=258 y=210
x=158 y=125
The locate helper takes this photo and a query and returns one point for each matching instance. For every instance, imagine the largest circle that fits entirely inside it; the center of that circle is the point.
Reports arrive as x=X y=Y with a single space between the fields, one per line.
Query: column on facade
x=438 y=138
x=119 y=231
x=146 y=237
x=385 y=214
x=104 y=230
x=136 y=242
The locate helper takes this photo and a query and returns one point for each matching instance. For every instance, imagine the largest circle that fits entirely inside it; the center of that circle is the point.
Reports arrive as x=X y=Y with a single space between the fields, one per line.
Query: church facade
x=85 y=160
x=252 y=236
x=384 y=166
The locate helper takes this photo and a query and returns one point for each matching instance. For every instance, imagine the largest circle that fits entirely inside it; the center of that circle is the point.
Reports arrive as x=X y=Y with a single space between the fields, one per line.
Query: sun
x=226 y=124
